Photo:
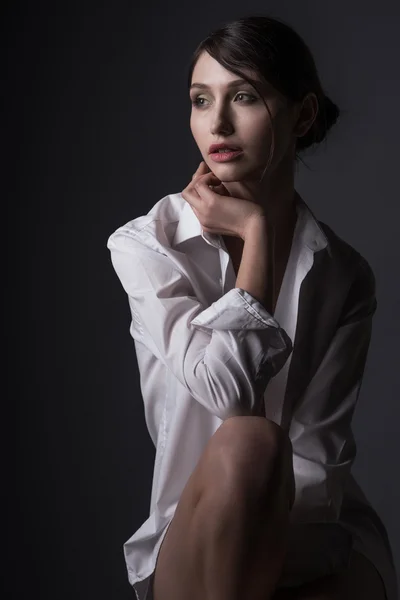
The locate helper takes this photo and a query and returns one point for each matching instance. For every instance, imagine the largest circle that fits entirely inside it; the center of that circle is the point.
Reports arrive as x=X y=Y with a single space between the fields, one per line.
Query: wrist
x=254 y=224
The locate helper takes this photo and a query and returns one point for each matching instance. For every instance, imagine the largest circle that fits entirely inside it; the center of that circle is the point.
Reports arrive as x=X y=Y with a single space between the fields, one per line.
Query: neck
x=277 y=196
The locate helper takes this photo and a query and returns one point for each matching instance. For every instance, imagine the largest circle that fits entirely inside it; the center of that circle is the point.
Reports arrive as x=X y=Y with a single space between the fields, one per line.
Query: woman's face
x=235 y=114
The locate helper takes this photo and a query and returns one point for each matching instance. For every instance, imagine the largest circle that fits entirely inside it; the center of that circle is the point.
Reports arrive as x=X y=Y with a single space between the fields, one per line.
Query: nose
x=221 y=122
x=221 y=127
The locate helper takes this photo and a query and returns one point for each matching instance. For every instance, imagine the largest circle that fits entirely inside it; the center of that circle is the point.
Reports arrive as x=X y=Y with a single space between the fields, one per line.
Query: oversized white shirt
x=207 y=350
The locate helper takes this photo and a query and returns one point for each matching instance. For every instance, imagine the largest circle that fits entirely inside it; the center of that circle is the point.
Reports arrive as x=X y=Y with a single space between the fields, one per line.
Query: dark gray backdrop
x=97 y=117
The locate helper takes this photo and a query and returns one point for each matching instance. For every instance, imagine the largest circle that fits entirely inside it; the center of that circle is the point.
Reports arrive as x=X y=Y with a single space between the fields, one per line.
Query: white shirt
x=207 y=350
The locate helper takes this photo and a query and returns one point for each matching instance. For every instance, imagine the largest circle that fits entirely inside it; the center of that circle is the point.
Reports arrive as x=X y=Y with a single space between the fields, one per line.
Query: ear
x=306 y=114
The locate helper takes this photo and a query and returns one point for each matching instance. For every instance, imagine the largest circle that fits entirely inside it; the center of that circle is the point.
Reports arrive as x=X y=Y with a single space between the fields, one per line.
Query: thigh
x=360 y=580
x=177 y=567
x=173 y=565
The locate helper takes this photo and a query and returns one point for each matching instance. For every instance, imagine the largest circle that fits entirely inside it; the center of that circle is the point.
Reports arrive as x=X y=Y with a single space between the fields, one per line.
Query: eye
x=248 y=96
x=196 y=100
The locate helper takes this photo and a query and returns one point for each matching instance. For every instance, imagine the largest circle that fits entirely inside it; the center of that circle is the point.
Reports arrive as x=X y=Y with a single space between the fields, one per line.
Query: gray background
x=97 y=123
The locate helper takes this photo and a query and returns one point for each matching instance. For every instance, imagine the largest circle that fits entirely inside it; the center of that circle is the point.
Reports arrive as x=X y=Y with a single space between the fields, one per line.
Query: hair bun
x=331 y=112
x=327 y=116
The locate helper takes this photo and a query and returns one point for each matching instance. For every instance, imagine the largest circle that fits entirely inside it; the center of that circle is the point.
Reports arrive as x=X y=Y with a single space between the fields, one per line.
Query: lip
x=216 y=147
x=225 y=156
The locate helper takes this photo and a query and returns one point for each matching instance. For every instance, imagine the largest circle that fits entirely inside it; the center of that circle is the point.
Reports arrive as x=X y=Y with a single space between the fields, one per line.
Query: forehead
x=209 y=71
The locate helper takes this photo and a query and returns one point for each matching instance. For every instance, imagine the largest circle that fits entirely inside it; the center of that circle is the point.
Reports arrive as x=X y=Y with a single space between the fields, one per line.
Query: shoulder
x=361 y=277
x=154 y=229
x=348 y=256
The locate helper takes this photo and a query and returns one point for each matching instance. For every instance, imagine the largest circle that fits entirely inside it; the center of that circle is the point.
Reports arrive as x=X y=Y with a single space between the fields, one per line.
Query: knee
x=252 y=450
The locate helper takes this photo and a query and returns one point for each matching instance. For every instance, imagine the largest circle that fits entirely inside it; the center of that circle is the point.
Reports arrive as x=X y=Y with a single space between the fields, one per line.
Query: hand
x=218 y=211
x=204 y=168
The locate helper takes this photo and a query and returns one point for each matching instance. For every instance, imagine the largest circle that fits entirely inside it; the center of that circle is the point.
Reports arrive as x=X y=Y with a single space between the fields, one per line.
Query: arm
x=254 y=273
x=323 y=444
x=224 y=354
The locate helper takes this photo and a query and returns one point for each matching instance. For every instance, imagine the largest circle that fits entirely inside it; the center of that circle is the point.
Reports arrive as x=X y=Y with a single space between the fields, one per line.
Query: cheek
x=278 y=130
x=260 y=135
x=195 y=128
x=257 y=125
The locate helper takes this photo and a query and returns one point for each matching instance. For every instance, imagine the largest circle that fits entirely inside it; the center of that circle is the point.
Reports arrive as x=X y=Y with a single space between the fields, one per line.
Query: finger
x=198 y=170
x=221 y=189
x=191 y=194
x=209 y=178
x=195 y=173
x=202 y=186
x=207 y=181
x=201 y=169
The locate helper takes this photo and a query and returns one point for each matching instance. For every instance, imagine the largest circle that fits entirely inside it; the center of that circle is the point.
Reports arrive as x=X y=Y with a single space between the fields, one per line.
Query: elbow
x=221 y=391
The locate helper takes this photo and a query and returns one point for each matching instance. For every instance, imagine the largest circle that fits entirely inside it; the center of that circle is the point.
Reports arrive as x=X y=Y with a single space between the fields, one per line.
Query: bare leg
x=243 y=538
x=227 y=540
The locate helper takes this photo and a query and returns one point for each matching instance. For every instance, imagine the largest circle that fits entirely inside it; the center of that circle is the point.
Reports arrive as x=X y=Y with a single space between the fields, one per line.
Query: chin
x=228 y=166
x=234 y=171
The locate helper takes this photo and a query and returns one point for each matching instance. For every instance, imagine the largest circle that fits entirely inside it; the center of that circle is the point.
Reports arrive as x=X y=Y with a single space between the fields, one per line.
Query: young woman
x=252 y=322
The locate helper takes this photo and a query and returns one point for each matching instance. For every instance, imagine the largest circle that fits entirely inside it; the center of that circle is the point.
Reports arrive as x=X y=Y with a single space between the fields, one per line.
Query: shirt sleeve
x=323 y=444
x=223 y=354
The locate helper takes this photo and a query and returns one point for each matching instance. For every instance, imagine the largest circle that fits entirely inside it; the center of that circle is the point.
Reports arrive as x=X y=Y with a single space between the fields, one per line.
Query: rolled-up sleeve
x=224 y=354
x=321 y=433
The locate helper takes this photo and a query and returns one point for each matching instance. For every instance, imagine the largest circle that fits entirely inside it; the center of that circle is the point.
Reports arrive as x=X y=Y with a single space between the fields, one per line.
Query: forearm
x=255 y=271
x=254 y=274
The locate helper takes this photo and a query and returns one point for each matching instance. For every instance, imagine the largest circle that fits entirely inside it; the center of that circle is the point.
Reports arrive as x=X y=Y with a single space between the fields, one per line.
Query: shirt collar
x=311 y=232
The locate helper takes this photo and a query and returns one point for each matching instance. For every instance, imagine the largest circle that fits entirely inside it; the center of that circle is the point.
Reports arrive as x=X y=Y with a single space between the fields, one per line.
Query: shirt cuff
x=237 y=309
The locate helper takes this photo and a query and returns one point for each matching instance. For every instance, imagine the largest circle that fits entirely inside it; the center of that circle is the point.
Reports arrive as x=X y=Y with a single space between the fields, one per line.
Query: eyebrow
x=231 y=84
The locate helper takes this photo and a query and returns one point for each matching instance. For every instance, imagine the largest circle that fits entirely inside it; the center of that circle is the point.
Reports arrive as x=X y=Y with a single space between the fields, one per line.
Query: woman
x=252 y=322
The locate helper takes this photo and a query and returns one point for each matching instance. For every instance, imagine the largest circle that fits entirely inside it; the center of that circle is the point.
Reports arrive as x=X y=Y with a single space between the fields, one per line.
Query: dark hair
x=272 y=49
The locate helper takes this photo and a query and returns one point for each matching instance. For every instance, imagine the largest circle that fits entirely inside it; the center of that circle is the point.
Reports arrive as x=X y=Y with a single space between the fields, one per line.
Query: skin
x=222 y=114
